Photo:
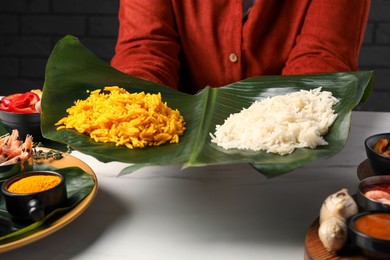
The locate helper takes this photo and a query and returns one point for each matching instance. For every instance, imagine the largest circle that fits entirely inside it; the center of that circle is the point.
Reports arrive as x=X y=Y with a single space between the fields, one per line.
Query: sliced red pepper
x=9 y=99
x=27 y=99
x=20 y=103
x=3 y=107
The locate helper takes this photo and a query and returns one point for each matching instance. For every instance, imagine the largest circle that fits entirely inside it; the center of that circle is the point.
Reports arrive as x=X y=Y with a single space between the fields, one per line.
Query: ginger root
x=335 y=211
x=339 y=204
x=333 y=233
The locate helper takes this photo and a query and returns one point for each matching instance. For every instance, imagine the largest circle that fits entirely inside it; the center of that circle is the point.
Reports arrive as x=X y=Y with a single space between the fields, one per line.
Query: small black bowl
x=36 y=205
x=369 y=204
x=379 y=163
x=24 y=123
x=374 y=248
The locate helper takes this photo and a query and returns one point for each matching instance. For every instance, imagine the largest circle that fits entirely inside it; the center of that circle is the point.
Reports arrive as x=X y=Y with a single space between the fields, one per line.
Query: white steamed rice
x=280 y=124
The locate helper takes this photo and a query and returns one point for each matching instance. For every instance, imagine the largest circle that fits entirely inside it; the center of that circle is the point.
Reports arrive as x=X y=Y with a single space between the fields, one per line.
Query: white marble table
x=225 y=212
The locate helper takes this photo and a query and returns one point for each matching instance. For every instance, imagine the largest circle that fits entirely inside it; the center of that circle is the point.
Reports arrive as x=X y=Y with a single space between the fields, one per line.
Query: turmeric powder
x=35 y=183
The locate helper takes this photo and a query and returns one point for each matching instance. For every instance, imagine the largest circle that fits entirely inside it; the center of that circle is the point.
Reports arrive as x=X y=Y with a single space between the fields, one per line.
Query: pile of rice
x=280 y=124
x=130 y=119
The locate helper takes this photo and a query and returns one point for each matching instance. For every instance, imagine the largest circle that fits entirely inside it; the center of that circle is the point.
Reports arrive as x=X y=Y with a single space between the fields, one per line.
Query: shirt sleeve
x=147 y=45
x=330 y=38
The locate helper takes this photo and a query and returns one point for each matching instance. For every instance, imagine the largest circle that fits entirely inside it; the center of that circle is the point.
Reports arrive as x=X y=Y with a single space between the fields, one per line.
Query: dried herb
x=39 y=154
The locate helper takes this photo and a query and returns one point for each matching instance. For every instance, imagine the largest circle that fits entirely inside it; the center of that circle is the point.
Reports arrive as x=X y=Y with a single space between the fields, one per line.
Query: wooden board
x=314 y=250
x=364 y=170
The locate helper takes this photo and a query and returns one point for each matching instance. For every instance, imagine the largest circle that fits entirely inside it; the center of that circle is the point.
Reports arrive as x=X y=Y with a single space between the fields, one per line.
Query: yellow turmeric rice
x=135 y=120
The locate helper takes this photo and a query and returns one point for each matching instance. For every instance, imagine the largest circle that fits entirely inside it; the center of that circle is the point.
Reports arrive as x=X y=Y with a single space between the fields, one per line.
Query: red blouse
x=188 y=45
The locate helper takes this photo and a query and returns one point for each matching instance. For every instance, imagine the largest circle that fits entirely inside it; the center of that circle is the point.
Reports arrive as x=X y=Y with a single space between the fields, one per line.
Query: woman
x=188 y=45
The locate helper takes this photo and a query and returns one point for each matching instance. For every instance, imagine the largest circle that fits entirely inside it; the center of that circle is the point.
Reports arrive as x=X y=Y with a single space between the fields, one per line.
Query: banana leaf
x=78 y=184
x=72 y=69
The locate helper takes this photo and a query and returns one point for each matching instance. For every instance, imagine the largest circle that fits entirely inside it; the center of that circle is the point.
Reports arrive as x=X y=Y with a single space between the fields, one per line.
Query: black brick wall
x=30 y=28
x=375 y=55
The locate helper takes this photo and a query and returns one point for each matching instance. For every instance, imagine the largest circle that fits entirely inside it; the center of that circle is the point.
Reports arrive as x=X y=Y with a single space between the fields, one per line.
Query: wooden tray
x=314 y=250
x=364 y=170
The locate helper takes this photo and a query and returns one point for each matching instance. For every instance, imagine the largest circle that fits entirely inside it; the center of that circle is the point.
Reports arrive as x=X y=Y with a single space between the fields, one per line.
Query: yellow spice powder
x=130 y=119
x=35 y=183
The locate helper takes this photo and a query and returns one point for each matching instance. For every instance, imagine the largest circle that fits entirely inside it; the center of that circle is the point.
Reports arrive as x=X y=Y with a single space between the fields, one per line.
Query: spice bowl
x=30 y=196
x=379 y=161
x=374 y=193
x=370 y=232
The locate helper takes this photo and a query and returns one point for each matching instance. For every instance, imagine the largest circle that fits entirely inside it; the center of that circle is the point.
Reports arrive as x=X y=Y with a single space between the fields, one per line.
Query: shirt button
x=233 y=57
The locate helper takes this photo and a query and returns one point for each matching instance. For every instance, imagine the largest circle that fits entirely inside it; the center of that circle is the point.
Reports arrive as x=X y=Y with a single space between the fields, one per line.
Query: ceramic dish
x=379 y=162
x=63 y=220
x=24 y=202
x=370 y=231
x=25 y=123
x=374 y=185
